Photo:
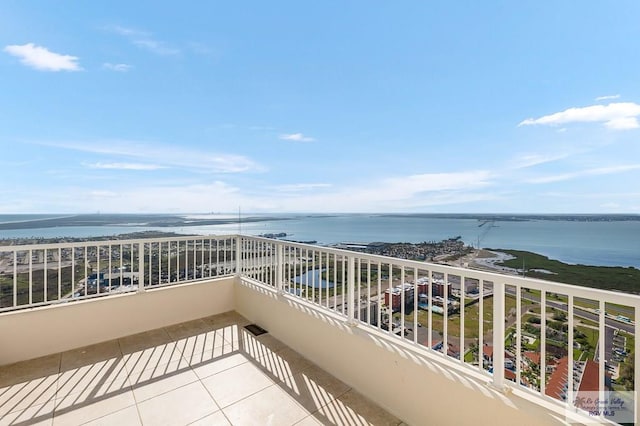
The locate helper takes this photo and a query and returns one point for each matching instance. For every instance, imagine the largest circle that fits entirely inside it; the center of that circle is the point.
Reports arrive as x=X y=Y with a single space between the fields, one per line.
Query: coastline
x=573 y=239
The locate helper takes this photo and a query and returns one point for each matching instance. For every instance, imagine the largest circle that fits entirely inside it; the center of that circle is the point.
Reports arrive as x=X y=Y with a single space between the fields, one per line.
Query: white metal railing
x=43 y=274
x=512 y=330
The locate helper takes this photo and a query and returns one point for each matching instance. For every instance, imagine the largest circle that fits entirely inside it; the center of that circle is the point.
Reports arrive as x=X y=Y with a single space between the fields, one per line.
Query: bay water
x=602 y=243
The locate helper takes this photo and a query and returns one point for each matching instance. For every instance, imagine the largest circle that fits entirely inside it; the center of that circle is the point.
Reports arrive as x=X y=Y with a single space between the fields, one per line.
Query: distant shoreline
x=158 y=221
x=176 y=220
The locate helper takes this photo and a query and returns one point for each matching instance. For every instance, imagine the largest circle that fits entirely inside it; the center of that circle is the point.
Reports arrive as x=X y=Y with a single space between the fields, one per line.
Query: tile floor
x=209 y=371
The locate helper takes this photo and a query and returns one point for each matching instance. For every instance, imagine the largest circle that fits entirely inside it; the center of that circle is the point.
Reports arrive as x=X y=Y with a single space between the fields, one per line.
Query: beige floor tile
x=142 y=377
x=201 y=356
x=179 y=375
x=283 y=364
x=20 y=396
x=142 y=341
x=227 y=318
x=351 y=408
x=271 y=406
x=188 y=329
x=73 y=410
x=153 y=382
x=32 y=415
x=314 y=388
x=198 y=348
x=90 y=355
x=231 y=333
x=151 y=357
x=236 y=383
x=94 y=380
x=24 y=371
x=311 y=421
x=218 y=363
x=126 y=417
x=180 y=406
x=216 y=419
x=258 y=347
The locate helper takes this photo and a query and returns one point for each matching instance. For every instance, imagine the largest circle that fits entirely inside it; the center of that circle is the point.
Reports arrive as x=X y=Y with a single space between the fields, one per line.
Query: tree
x=627 y=370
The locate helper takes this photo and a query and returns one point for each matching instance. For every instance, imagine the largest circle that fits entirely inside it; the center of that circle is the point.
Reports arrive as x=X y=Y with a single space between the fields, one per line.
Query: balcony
x=205 y=371
x=152 y=332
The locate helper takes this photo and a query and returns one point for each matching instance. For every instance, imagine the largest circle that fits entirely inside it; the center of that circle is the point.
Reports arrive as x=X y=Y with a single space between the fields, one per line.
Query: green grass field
x=604 y=277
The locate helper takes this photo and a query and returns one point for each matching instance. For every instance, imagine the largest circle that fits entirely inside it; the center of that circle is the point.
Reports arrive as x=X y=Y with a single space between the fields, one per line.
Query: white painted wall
x=36 y=332
x=419 y=389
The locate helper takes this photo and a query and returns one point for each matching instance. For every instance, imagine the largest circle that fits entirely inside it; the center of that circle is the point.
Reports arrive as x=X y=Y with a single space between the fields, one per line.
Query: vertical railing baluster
x=543 y=341
x=601 y=349
x=350 y=290
x=518 y=333
x=73 y=272
x=110 y=265
x=498 y=334
x=344 y=283
x=239 y=254
x=15 y=278
x=46 y=276
x=380 y=295
x=140 y=266
x=570 y=363
x=403 y=301
x=392 y=300
x=430 y=310
x=150 y=271
x=195 y=258
x=279 y=266
x=461 y=308
x=30 y=276
x=445 y=314
x=636 y=360
x=59 y=273
x=369 y=292
x=481 y=326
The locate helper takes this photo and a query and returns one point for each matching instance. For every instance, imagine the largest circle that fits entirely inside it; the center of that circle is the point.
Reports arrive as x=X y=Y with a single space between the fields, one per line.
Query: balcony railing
x=44 y=274
x=554 y=342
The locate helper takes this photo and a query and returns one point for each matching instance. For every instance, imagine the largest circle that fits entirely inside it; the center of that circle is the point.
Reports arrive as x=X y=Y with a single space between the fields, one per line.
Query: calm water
x=590 y=243
x=614 y=243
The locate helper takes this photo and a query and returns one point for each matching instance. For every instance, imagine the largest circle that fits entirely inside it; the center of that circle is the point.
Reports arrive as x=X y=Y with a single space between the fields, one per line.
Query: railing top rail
x=513 y=280
x=628 y=299
x=93 y=243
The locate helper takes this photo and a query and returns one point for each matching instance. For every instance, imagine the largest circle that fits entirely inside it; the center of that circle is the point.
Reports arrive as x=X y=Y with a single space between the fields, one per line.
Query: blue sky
x=350 y=106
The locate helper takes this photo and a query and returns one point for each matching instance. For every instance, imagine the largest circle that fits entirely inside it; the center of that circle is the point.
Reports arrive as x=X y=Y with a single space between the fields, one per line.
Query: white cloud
x=610 y=206
x=165 y=155
x=606 y=98
x=297 y=137
x=530 y=160
x=157 y=47
x=42 y=59
x=144 y=40
x=128 y=32
x=588 y=172
x=616 y=116
x=125 y=166
x=298 y=187
x=395 y=194
x=103 y=194
x=117 y=67
x=622 y=123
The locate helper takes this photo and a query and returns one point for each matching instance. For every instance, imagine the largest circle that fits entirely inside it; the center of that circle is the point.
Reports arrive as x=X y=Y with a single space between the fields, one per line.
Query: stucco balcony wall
x=36 y=332
x=418 y=388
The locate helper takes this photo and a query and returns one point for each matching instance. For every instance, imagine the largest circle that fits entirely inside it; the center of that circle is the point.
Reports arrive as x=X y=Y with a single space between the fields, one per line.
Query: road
x=579 y=312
